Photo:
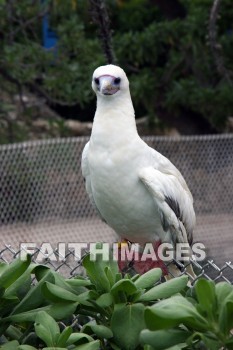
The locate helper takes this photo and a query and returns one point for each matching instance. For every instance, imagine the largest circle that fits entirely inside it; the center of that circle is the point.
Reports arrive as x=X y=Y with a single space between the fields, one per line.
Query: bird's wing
x=87 y=177
x=172 y=196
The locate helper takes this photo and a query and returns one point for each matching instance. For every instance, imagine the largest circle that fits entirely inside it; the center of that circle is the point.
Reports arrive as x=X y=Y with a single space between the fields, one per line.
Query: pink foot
x=140 y=266
x=143 y=266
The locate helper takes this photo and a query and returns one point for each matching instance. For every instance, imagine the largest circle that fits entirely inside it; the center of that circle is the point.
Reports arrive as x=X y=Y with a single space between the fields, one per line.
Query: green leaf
x=172 y=312
x=3 y=267
x=96 y=272
x=124 y=287
x=41 y=271
x=223 y=289
x=94 y=345
x=163 y=339
x=22 y=285
x=225 y=315
x=28 y=316
x=101 y=273
x=13 y=333
x=12 y=345
x=100 y=330
x=127 y=320
x=118 y=277
x=224 y=293
x=205 y=292
x=104 y=300
x=57 y=311
x=64 y=336
x=34 y=297
x=177 y=347
x=78 y=282
x=114 y=346
x=79 y=338
x=135 y=277
x=62 y=310
x=14 y=271
x=57 y=294
x=110 y=275
x=54 y=348
x=113 y=266
x=85 y=297
x=165 y=290
x=149 y=278
x=97 y=309
x=205 y=338
x=61 y=282
x=26 y=347
x=47 y=329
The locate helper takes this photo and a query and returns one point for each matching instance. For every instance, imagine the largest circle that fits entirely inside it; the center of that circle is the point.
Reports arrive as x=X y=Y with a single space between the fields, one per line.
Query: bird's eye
x=97 y=81
x=117 y=80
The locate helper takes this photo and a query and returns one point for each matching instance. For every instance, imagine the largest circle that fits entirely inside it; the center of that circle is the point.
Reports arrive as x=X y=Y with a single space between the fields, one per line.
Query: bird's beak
x=107 y=85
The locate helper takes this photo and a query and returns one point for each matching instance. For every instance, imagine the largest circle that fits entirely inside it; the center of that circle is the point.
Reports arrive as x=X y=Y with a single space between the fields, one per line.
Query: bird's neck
x=114 y=122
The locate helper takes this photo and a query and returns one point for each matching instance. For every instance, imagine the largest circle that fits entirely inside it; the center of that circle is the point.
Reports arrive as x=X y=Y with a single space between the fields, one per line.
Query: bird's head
x=109 y=81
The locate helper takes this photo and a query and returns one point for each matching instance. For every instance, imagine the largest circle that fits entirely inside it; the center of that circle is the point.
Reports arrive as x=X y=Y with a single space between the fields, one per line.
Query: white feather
x=126 y=179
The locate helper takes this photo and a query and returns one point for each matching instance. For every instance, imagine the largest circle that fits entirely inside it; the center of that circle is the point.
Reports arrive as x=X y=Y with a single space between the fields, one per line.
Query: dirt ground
x=214 y=231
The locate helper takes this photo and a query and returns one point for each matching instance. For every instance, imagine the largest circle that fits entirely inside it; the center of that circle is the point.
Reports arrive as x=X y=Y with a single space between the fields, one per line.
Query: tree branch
x=35 y=87
x=11 y=79
x=39 y=90
x=100 y=17
x=24 y=25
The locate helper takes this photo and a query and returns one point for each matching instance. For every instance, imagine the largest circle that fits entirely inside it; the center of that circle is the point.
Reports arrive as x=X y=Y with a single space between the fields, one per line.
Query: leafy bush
x=106 y=310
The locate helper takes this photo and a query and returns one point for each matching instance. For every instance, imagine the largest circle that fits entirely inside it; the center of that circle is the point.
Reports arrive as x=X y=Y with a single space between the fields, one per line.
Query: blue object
x=49 y=36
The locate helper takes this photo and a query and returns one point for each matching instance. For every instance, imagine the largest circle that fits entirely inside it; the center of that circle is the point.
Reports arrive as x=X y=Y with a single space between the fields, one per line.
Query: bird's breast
x=119 y=195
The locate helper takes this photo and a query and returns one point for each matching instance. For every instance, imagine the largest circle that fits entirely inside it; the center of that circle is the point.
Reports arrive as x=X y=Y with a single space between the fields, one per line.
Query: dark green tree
x=167 y=51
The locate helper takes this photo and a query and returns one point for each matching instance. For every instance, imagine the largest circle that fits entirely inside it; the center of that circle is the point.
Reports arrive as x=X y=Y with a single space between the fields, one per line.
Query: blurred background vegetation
x=180 y=83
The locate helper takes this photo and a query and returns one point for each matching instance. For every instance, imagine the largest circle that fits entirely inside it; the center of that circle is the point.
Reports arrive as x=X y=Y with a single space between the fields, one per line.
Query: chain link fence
x=43 y=198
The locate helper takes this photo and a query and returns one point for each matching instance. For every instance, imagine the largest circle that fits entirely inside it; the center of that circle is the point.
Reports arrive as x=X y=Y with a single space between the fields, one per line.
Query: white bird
x=135 y=189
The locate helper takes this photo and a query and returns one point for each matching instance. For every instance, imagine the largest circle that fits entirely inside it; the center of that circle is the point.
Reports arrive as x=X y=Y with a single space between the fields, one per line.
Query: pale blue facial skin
x=107 y=84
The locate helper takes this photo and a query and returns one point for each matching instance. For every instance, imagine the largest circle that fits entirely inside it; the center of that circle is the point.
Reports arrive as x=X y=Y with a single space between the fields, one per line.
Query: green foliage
x=106 y=310
x=197 y=321
x=169 y=62
x=64 y=73
x=107 y=297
